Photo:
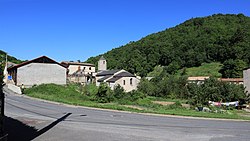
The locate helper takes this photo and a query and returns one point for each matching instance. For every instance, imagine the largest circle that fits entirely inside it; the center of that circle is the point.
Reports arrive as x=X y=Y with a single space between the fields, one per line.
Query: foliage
x=156 y=72
x=215 y=38
x=176 y=105
x=233 y=68
x=104 y=94
x=174 y=87
x=119 y=92
x=167 y=86
x=215 y=90
x=91 y=91
x=10 y=58
x=70 y=94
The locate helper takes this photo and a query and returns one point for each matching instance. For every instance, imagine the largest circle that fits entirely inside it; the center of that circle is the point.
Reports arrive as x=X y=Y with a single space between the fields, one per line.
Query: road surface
x=30 y=119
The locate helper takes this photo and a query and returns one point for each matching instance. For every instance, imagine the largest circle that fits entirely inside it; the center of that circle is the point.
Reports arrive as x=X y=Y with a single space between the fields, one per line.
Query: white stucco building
x=42 y=70
x=113 y=78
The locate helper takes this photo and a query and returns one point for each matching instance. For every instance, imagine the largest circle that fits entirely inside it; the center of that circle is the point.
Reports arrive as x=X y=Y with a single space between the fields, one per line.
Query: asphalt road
x=30 y=119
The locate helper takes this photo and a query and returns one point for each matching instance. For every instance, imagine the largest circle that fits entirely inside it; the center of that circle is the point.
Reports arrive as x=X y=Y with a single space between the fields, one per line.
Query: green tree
x=104 y=94
x=233 y=68
x=119 y=92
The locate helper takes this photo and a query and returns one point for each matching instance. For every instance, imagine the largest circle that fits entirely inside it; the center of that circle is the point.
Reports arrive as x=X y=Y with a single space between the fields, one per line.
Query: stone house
x=42 y=70
x=79 y=72
x=113 y=78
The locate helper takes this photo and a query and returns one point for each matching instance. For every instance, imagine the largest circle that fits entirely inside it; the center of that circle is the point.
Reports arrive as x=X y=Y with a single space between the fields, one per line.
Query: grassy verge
x=71 y=95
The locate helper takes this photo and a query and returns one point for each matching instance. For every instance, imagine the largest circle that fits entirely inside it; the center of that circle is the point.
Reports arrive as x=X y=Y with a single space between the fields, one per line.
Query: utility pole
x=5 y=72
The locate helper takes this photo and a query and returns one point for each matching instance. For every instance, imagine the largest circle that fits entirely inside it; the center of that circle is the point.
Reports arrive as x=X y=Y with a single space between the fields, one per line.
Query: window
x=131 y=81
x=124 y=82
x=89 y=68
x=103 y=62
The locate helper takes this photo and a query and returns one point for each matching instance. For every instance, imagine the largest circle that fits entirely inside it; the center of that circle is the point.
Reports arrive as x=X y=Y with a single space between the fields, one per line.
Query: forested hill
x=10 y=58
x=216 y=38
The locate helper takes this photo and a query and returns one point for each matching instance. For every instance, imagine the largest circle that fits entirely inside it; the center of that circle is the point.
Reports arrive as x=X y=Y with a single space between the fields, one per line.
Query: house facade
x=114 y=78
x=80 y=72
x=42 y=70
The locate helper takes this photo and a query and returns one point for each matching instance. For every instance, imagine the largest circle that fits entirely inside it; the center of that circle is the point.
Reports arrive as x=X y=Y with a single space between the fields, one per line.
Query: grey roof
x=77 y=63
x=124 y=74
x=104 y=78
x=42 y=59
x=120 y=75
x=114 y=79
x=102 y=58
x=107 y=72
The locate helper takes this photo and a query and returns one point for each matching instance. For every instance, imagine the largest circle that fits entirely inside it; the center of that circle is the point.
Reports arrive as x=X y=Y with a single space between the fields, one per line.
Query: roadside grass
x=71 y=94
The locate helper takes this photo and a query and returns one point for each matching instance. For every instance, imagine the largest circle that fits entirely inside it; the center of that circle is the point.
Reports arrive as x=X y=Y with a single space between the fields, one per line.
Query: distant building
x=102 y=64
x=80 y=72
x=76 y=66
x=42 y=70
x=246 y=80
x=232 y=80
x=197 y=79
x=113 y=78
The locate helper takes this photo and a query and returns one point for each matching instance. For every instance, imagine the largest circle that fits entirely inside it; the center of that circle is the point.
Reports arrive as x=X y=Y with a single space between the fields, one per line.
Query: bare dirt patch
x=165 y=103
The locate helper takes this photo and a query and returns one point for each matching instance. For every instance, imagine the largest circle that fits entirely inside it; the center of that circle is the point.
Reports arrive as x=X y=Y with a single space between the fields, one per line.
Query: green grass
x=70 y=94
x=206 y=69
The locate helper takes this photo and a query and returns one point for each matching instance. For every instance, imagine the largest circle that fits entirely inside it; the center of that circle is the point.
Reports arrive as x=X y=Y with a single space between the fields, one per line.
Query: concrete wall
x=74 y=68
x=14 y=88
x=246 y=80
x=41 y=73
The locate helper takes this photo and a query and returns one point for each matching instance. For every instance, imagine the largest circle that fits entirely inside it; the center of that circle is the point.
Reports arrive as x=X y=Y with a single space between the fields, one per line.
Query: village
x=44 y=70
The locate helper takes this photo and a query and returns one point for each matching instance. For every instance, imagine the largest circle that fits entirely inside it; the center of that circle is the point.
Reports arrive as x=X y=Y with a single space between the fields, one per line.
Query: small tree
x=104 y=94
x=233 y=68
x=119 y=92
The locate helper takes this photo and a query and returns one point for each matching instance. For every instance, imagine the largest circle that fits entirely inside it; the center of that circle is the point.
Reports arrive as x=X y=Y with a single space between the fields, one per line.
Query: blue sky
x=78 y=29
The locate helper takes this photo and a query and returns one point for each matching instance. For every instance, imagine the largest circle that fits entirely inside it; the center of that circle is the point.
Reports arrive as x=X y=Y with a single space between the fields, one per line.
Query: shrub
x=119 y=92
x=104 y=94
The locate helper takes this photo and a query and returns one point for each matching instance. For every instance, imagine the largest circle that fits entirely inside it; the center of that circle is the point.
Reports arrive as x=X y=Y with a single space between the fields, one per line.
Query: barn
x=41 y=70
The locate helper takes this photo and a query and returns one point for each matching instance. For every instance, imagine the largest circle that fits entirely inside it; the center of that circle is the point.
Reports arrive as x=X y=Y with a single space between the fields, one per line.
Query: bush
x=104 y=94
x=119 y=92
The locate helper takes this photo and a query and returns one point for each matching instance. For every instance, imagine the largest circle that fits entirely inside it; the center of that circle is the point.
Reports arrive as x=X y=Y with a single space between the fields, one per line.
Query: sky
x=71 y=30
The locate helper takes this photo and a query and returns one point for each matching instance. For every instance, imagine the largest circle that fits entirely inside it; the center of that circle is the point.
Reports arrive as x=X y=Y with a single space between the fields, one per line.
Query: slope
x=215 y=38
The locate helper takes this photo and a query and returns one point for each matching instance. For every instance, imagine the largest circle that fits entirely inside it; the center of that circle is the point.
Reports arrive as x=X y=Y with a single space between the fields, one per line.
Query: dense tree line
x=177 y=87
x=216 y=38
x=10 y=58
